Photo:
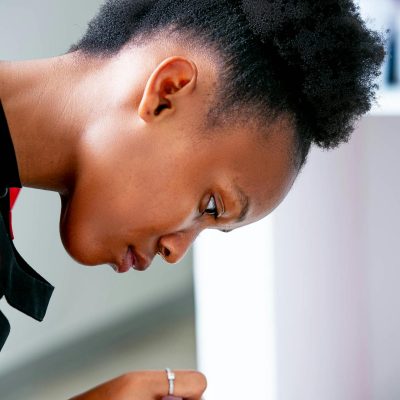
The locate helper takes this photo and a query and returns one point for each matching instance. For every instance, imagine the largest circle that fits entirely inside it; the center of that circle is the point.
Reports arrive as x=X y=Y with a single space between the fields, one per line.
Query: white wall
x=235 y=311
x=337 y=272
x=382 y=257
x=336 y=282
x=321 y=281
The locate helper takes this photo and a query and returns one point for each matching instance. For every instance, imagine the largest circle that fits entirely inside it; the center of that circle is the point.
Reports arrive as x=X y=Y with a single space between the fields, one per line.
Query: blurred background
x=302 y=305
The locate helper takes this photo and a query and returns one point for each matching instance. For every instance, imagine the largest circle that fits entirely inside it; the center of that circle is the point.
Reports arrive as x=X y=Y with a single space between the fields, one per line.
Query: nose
x=173 y=247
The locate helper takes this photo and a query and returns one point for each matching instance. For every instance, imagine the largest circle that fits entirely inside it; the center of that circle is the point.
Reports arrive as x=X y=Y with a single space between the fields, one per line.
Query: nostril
x=166 y=252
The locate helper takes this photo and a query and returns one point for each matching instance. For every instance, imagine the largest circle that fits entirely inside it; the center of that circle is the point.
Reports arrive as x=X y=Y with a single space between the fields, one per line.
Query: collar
x=9 y=175
x=23 y=288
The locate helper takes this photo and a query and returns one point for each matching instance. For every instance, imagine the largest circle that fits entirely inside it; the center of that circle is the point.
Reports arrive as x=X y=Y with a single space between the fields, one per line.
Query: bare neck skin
x=40 y=100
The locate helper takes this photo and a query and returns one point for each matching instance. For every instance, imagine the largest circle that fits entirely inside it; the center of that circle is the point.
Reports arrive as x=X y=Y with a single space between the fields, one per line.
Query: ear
x=174 y=78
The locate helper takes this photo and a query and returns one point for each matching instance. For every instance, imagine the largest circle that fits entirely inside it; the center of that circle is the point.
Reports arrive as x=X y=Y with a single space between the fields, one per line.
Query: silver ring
x=171 y=381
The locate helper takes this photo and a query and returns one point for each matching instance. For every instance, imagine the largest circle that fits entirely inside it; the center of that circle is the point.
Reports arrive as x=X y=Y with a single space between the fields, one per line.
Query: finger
x=188 y=385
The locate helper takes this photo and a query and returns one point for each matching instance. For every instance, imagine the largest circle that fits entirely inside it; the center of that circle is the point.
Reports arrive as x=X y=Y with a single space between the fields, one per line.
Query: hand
x=148 y=385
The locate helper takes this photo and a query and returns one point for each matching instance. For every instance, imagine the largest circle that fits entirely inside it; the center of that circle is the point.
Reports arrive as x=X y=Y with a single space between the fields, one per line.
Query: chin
x=79 y=248
x=80 y=238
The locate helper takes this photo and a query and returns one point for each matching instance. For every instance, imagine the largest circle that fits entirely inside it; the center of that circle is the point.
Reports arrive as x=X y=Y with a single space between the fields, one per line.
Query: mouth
x=131 y=260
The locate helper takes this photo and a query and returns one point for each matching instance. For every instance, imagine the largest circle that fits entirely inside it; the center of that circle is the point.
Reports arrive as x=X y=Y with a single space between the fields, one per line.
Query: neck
x=40 y=100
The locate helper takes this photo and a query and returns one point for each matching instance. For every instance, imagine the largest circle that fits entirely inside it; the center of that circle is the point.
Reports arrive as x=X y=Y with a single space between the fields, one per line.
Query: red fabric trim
x=14 y=192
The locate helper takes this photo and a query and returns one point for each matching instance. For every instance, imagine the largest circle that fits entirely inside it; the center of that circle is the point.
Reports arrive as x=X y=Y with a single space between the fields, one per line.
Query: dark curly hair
x=312 y=60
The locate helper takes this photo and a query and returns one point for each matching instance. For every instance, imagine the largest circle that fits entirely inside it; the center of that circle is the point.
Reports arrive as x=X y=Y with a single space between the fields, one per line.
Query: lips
x=132 y=260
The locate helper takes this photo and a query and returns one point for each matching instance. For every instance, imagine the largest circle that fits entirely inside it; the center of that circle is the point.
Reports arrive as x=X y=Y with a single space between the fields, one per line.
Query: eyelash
x=215 y=212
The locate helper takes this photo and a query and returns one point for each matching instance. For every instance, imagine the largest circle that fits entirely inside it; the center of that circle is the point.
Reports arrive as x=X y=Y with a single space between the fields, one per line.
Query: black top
x=23 y=288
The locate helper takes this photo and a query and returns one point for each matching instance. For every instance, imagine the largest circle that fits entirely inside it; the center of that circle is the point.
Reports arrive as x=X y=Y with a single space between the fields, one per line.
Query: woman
x=169 y=117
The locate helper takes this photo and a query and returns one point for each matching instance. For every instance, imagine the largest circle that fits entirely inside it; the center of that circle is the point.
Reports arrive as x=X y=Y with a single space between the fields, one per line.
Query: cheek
x=100 y=220
x=123 y=197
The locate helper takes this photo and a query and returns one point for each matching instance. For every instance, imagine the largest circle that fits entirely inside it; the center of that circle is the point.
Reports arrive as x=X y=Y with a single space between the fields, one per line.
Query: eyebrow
x=245 y=204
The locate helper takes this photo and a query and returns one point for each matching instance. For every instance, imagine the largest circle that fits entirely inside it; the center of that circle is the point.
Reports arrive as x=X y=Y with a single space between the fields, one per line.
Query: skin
x=121 y=140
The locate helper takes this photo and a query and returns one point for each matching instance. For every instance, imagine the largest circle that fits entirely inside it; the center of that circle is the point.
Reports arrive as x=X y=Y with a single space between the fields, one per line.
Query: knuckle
x=129 y=378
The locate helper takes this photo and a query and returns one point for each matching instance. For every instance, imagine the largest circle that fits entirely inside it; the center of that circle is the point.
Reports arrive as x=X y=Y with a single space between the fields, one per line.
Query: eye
x=211 y=208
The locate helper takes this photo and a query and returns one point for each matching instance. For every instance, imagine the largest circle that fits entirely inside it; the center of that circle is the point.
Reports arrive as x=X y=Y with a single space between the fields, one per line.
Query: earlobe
x=174 y=78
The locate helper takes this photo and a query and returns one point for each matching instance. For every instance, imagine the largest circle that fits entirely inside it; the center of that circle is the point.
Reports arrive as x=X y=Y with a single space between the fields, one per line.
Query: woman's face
x=154 y=194
x=150 y=181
